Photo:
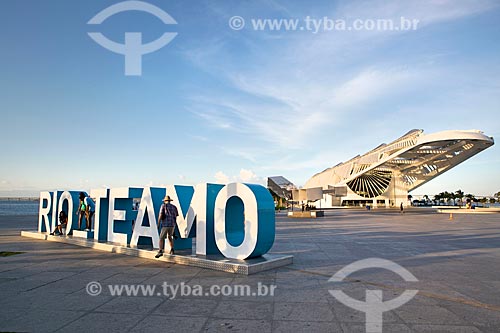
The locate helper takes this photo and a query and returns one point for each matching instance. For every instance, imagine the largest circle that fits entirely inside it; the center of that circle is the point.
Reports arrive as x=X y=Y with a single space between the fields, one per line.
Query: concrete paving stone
x=34 y=299
x=287 y=326
x=351 y=289
x=145 y=270
x=94 y=275
x=302 y=282
x=79 y=301
x=16 y=270
x=172 y=273
x=160 y=279
x=65 y=286
x=155 y=324
x=308 y=311
x=301 y=294
x=254 y=279
x=386 y=328
x=186 y=308
x=133 y=305
x=487 y=329
x=480 y=292
x=103 y=322
x=105 y=271
x=50 y=276
x=10 y=313
x=422 y=300
x=77 y=266
x=440 y=290
x=289 y=272
x=243 y=310
x=23 y=285
x=475 y=315
x=211 y=274
x=298 y=278
x=211 y=281
x=40 y=266
x=445 y=328
x=237 y=325
x=346 y=314
x=123 y=278
x=431 y=314
x=314 y=255
x=39 y=321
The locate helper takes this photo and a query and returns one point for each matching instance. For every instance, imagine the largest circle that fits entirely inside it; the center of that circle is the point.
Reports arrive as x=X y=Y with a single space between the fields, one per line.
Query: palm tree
x=437 y=198
x=446 y=196
x=459 y=195
x=453 y=197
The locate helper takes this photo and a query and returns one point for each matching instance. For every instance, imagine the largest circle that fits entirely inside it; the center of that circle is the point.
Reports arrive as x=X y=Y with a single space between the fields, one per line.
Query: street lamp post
x=290 y=188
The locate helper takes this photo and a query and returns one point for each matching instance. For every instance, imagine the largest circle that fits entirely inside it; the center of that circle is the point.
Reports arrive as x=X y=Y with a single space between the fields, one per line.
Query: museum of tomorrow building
x=385 y=175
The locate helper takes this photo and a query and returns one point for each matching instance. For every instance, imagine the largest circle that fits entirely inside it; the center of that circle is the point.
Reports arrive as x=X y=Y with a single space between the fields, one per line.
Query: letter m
x=195 y=203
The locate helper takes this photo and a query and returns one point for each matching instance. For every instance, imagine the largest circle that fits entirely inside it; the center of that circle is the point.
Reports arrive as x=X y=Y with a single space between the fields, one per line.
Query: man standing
x=167 y=221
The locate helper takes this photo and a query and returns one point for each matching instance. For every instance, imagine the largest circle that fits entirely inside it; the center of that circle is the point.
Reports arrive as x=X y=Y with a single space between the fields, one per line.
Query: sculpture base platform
x=308 y=214
x=184 y=257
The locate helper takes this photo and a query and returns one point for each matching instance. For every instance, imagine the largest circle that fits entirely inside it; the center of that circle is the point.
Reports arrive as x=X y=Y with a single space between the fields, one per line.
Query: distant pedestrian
x=167 y=220
x=401 y=209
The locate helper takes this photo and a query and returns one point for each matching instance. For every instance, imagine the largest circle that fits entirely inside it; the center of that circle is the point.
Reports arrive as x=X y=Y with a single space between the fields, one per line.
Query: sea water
x=14 y=207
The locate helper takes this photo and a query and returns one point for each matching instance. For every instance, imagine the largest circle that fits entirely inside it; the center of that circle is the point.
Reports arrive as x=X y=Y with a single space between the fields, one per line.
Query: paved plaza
x=456 y=262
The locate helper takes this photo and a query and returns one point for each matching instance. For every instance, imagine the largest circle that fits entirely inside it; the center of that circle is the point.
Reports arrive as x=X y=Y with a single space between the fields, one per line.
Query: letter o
x=66 y=196
x=258 y=223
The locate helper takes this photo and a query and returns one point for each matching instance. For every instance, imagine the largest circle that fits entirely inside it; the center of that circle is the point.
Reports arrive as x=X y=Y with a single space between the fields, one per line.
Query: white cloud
x=290 y=114
x=221 y=177
x=239 y=152
x=427 y=11
x=372 y=83
x=244 y=176
x=247 y=176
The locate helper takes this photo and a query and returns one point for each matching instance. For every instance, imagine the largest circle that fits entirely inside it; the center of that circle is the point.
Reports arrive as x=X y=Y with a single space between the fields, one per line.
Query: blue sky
x=218 y=104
